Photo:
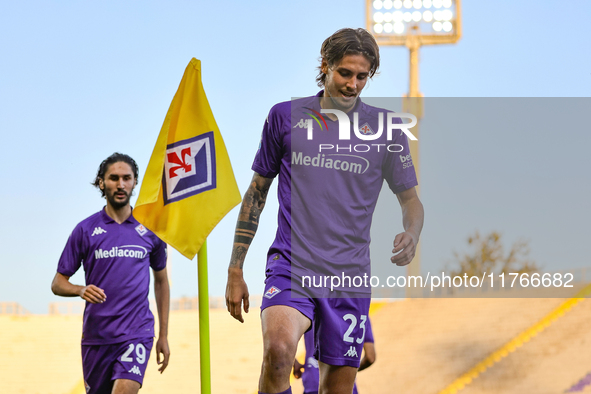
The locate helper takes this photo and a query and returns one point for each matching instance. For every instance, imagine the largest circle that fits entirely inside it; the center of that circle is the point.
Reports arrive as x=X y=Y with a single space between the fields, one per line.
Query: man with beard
x=116 y=252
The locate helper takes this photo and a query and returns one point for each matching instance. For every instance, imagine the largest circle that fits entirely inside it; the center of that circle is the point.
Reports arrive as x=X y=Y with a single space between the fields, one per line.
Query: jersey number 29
x=140 y=352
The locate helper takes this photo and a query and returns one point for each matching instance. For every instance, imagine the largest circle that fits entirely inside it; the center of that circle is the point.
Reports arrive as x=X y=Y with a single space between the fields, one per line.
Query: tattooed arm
x=246 y=227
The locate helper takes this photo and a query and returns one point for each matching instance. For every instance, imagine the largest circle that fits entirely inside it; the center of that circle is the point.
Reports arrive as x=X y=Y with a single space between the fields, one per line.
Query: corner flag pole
x=204 y=353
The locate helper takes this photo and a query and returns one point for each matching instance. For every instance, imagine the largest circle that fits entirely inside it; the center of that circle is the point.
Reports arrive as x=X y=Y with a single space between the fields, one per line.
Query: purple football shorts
x=103 y=364
x=339 y=323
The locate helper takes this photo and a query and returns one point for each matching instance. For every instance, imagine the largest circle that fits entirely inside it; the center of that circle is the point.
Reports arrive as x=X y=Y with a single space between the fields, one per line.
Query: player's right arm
x=69 y=262
x=61 y=286
x=246 y=227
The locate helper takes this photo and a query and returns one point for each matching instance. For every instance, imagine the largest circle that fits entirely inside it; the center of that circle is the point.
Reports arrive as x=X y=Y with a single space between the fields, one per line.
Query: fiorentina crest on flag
x=189 y=168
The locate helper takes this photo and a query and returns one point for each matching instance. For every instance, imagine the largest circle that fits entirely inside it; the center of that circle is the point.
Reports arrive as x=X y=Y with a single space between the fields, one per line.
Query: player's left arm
x=369 y=355
x=405 y=244
x=162 y=292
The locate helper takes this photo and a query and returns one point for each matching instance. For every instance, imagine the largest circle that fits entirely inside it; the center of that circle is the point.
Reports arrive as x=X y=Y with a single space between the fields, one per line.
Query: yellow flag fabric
x=189 y=185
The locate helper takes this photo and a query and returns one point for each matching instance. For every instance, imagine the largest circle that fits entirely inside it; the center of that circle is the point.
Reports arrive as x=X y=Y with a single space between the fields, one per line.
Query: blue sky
x=80 y=80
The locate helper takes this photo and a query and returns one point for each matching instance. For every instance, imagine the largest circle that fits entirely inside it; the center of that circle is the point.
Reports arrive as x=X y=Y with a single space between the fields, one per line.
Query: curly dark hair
x=114 y=158
x=349 y=42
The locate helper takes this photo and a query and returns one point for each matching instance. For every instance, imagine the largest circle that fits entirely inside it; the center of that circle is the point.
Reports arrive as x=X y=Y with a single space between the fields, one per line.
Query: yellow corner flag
x=189 y=184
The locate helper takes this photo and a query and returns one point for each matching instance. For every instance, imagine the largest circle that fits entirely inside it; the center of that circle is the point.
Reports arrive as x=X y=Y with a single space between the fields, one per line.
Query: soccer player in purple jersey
x=308 y=371
x=117 y=253
x=325 y=210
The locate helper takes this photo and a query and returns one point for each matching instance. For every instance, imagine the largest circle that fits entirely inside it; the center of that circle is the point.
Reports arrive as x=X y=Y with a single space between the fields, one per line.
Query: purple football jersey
x=116 y=258
x=329 y=186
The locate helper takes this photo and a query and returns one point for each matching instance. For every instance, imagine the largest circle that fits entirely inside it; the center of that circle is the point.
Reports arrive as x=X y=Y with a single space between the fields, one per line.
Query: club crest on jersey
x=189 y=168
x=272 y=292
x=366 y=130
x=141 y=230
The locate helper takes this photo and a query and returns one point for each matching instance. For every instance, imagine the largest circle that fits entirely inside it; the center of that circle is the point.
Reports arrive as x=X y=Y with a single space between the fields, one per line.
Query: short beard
x=116 y=204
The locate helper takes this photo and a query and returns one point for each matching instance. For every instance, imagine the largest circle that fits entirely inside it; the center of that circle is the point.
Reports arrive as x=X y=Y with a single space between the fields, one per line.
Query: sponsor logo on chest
x=133 y=251
x=339 y=162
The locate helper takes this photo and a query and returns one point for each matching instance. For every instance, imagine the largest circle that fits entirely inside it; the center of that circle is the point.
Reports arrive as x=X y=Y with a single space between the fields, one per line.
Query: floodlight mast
x=413 y=100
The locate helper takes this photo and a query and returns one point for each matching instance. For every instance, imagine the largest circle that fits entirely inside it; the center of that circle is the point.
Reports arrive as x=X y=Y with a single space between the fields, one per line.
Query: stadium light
x=434 y=21
x=414 y=23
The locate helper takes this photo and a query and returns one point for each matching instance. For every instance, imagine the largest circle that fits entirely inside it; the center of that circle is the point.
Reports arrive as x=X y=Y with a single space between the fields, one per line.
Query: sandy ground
x=40 y=354
x=422 y=346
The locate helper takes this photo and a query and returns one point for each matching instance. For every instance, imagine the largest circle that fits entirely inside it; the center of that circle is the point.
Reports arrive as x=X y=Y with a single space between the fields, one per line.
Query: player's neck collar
x=108 y=219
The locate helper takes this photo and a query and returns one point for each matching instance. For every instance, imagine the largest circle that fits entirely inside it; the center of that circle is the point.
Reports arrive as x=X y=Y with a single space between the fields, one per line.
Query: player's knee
x=279 y=354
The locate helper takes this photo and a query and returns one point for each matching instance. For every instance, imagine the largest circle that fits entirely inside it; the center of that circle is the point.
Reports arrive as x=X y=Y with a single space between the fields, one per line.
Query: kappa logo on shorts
x=141 y=230
x=189 y=168
x=272 y=292
x=98 y=231
x=352 y=352
x=135 y=370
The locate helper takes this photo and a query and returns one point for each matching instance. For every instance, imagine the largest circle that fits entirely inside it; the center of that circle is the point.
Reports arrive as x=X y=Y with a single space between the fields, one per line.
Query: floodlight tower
x=414 y=23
